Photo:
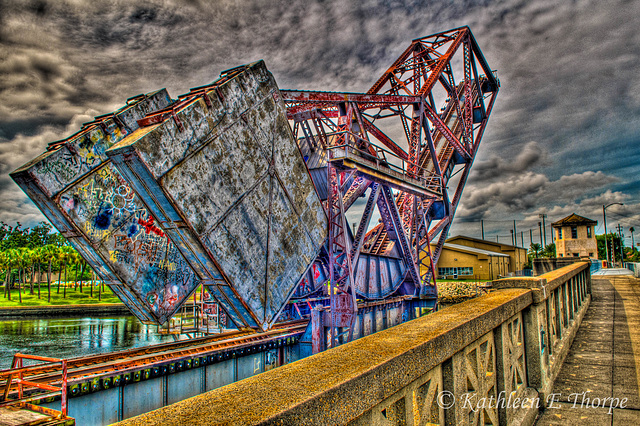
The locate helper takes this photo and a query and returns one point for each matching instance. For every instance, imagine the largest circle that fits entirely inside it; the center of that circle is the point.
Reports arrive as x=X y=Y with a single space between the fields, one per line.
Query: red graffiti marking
x=150 y=227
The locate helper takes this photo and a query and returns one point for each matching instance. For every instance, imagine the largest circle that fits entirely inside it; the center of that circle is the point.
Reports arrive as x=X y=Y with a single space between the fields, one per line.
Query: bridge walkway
x=604 y=359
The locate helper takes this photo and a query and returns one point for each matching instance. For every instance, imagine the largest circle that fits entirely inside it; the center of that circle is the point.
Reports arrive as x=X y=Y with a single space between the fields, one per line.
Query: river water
x=73 y=337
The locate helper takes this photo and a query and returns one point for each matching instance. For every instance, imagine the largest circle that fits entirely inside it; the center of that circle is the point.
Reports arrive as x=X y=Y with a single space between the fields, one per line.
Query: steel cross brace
x=342 y=293
x=446 y=132
x=468 y=107
x=391 y=219
x=364 y=223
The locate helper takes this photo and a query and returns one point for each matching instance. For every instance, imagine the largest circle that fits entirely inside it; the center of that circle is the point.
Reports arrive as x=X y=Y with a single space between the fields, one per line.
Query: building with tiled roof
x=575 y=237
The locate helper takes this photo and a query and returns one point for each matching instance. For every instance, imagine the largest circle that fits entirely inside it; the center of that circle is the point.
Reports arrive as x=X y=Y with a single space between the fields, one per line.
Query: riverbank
x=49 y=311
x=67 y=295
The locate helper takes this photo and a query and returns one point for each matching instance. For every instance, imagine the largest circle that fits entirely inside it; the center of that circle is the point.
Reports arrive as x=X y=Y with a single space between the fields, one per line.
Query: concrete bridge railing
x=494 y=357
x=633 y=267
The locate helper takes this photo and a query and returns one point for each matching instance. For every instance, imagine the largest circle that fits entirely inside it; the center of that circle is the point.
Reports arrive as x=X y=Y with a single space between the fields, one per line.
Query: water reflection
x=73 y=337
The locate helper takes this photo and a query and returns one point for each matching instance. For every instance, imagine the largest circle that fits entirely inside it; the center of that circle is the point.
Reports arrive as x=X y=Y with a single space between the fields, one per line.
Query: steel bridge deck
x=105 y=366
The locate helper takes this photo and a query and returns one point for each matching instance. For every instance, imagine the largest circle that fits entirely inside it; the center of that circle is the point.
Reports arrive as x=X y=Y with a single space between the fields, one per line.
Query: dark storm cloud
x=531 y=154
x=527 y=191
x=568 y=73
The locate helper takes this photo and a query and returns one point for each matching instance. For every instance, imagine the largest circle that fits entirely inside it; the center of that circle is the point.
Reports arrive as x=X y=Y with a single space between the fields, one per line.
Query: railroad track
x=85 y=368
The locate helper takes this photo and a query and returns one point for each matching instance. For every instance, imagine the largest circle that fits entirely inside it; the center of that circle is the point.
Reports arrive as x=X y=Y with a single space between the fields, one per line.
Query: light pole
x=604 y=218
x=621 y=244
x=540 y=227
x=544 y=227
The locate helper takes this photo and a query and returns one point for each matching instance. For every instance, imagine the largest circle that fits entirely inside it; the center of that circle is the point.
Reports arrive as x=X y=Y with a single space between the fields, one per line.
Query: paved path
x=612 y=272
x=604 y=360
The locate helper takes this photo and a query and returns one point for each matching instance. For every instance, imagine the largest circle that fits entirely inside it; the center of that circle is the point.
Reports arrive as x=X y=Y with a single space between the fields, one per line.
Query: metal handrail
x=18 y=369
x=430 y=180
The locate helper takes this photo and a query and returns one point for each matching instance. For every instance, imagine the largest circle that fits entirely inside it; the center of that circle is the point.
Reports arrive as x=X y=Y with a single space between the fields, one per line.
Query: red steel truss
x=407 y=140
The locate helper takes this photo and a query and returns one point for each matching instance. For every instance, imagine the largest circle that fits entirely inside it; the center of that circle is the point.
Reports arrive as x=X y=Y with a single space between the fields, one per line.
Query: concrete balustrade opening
x=493 y=358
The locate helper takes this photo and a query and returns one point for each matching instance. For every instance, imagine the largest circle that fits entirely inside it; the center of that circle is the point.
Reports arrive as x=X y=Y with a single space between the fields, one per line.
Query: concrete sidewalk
x=604 y=360
x=612 y=272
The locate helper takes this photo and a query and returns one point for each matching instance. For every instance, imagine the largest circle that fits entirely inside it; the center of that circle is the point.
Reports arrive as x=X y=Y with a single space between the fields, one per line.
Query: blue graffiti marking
x=103 y=218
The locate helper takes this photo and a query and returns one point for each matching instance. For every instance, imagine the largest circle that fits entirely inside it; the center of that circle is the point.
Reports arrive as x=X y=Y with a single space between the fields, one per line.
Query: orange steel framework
x=409 y=186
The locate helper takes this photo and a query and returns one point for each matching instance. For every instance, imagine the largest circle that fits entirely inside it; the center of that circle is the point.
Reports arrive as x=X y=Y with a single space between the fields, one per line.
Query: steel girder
x=407 y=176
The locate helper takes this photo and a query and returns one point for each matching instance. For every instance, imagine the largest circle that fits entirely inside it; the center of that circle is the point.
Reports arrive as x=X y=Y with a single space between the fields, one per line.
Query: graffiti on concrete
x=117 y=223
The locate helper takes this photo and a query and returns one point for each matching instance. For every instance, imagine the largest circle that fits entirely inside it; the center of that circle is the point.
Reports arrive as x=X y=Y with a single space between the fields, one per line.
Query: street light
x=604 y=217
x=544 y=227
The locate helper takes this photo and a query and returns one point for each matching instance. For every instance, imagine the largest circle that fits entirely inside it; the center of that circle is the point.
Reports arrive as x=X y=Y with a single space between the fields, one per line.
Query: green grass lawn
x=74 y=297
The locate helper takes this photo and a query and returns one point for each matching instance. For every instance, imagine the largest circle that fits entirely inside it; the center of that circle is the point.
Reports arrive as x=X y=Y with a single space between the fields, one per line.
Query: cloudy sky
x=562 y=138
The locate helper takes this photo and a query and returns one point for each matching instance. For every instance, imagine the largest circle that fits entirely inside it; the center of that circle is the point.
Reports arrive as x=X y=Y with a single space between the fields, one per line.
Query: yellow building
x=472 y=258
x=575 y=237
x=517 y=255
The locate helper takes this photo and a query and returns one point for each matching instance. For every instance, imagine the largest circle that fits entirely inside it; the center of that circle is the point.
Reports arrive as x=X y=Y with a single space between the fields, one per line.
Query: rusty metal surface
x=224 y=168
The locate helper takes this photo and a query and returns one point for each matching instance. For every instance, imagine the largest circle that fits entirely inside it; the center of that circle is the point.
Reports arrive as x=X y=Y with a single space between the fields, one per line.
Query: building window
x=465 y=271
x=447 y=271
x=455 y=271
x=561 y=255
x=559 y=233
x=590 y=254
x=574 y=232
x=589 y=233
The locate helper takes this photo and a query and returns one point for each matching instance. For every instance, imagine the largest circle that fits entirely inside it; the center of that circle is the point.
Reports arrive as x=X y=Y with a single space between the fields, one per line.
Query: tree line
x=613 y=241
x=25 y=253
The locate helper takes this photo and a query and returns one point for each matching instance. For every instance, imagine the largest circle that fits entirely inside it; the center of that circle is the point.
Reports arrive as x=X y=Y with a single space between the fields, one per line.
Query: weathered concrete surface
x=543 y=285
x=338 y=385
x=542 y=266
x=82 y=194
x=604 y=359
x=228 y=185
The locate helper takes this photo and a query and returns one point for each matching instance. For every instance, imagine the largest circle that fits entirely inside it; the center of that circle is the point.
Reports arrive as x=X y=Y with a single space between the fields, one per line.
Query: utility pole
x=540 y=227
x=606 y=243
x=543 y=216
x=522 y=238
x=515 y=234
x=512 y=241
x=530 y=236
x=497 y=240
x=621 y=240
x=604 y=218
x=482 y=227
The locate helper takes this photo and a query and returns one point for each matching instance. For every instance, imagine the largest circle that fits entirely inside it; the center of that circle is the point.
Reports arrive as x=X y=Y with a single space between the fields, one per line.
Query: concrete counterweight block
x=225 y=179
x=85 y=197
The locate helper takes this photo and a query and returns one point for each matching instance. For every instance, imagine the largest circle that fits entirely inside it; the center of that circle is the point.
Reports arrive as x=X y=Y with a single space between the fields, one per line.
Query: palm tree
x=75 y=259
x=22 y=262
x=40 y=256
x=535 y=249
x=4 y=263
x=32 y=255
x=66 y=256
x=50 y=254
x=549 y=250
x=61 y=259
x=12 y=262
